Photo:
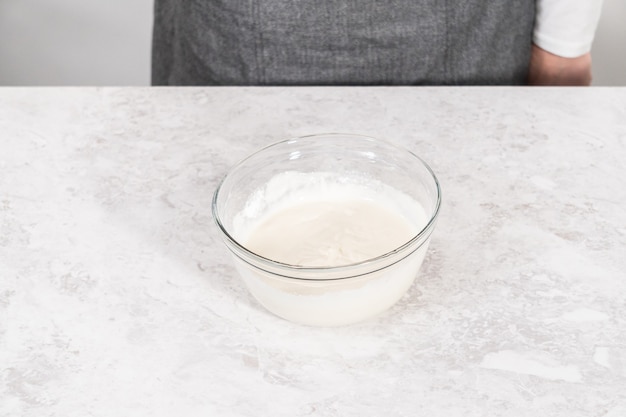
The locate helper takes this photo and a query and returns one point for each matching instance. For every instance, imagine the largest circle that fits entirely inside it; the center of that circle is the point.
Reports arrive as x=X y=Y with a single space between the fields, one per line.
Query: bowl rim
x=425 y=231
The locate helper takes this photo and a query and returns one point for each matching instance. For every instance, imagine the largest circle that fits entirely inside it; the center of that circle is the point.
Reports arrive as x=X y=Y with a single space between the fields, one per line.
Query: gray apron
x=341 y=42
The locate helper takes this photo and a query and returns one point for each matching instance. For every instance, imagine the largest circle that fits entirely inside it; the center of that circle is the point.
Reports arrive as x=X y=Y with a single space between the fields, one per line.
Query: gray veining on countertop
x=117 y=297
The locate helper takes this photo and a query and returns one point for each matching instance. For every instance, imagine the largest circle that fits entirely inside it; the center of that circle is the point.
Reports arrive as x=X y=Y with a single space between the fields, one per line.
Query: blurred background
x=97 y=42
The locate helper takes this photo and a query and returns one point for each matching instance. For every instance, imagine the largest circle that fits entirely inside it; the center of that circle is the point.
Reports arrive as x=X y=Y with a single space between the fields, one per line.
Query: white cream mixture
x=329 y=232
x=320 y=220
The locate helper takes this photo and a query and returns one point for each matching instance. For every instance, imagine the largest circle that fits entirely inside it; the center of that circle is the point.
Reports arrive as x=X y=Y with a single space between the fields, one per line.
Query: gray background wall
x=107 y=42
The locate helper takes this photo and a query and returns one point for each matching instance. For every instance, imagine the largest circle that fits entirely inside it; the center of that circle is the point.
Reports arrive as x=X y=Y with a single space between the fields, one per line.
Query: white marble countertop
x=118 y=299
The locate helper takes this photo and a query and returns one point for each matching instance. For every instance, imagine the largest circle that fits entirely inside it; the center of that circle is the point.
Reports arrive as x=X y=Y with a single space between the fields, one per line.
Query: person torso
x=342 y=42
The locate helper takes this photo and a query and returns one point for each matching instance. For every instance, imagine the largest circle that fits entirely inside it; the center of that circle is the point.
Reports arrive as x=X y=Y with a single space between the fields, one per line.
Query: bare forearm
x=549 y=69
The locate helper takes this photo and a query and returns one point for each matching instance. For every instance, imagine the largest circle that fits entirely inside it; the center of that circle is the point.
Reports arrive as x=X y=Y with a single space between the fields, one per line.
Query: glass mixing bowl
x=328 y=295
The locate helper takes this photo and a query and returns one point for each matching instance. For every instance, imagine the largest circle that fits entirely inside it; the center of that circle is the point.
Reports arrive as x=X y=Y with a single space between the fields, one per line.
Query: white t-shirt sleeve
x=566 y=27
